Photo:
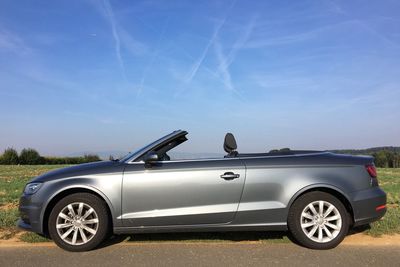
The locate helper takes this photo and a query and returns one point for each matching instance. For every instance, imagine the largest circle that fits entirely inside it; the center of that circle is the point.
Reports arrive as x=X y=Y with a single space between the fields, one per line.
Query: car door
x=182 y=192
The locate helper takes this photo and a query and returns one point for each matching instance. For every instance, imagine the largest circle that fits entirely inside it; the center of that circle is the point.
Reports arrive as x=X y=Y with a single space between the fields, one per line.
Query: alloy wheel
x=77 y=223
x=321 y=221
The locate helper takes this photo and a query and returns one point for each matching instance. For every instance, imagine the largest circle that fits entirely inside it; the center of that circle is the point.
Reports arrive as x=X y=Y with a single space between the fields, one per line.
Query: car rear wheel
x=79 y=222
x=318 y=220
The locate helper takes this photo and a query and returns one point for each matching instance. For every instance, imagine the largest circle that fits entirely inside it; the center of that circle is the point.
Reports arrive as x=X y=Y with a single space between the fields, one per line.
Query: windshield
x=137 y=152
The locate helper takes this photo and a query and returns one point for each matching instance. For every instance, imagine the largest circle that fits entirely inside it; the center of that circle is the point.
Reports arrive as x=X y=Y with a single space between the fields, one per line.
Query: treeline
x=29 y=156
x=385 y=157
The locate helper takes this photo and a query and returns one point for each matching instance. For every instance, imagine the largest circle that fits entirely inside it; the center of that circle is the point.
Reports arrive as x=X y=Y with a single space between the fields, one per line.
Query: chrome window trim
x=240 y=158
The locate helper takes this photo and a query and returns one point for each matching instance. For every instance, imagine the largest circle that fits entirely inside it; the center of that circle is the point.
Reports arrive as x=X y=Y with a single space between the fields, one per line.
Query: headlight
x=32 y=188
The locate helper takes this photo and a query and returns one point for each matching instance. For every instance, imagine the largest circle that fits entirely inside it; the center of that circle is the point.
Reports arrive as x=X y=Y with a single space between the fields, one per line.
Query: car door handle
x=230 y=176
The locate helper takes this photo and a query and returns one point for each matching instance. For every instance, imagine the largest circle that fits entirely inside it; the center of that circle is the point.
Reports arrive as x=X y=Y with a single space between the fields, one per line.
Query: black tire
x=294 y=221
x=100 y=208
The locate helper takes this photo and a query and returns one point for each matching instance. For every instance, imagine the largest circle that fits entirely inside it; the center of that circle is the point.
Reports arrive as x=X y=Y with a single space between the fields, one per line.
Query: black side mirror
x=151 y=157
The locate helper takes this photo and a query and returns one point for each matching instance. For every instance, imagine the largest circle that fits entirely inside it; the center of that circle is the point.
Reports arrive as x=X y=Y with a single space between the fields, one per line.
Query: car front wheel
x=79 y=222
x=318 y=220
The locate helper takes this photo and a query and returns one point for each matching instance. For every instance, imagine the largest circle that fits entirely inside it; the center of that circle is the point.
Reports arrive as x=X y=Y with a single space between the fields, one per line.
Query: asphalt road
x=202 y=254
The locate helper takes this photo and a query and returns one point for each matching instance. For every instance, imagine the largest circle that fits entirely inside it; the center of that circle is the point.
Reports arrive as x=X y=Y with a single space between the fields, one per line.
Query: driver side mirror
x=150 y=158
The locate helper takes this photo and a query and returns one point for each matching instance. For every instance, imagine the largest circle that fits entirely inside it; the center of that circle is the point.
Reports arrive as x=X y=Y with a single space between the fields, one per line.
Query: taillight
x=381 y=207
x=371 y=170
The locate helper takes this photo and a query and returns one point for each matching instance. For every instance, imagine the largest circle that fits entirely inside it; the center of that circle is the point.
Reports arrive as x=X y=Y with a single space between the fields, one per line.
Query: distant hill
x=368 y=151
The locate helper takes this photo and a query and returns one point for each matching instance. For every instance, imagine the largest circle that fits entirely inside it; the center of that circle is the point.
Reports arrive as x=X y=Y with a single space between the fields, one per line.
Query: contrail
x=238 y=45
x=200 y=60
x=111 y=18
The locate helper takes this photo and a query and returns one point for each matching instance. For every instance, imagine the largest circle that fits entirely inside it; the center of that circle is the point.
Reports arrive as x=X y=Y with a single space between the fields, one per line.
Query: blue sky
x=113 y=75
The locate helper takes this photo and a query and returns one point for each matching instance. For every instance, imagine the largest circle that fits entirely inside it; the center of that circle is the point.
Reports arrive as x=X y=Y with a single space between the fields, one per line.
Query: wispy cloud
x=99 y=119
x=133 y=46
x=285 y=82
x=382 y=96
x=11 y=42
x=366 y=26
x=335 y=7
x=295 y=37
x=111 y=19
x=363 y=23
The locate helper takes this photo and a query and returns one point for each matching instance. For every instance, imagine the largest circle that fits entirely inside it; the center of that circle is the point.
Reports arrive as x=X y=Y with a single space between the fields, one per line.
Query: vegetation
x=370 y=151
x=14 y=177
x=30 y=156
x=10 y=156
x=30 y=237
x=387 y=159
x=389 y=181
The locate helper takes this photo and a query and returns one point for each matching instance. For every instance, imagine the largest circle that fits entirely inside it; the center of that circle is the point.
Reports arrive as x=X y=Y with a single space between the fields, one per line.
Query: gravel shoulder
x=358 y=239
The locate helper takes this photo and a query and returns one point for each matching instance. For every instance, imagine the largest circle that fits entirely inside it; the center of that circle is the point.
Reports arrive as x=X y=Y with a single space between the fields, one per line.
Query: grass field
x=389 y=181
x=14 y=178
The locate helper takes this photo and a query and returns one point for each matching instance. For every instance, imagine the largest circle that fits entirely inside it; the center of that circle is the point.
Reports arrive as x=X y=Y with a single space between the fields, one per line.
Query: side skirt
x=202 y=228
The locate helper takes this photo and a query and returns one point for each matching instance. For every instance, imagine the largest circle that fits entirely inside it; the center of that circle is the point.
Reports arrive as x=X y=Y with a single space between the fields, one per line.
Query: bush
x=30 y=156
x=10 y=157
x=91 y=158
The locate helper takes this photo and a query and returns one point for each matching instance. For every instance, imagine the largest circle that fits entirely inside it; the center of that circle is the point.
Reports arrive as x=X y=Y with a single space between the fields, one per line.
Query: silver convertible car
x=315 y=195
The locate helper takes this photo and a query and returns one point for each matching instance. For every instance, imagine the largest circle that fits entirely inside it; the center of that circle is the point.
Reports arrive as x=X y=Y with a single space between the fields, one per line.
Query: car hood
x=92 y=168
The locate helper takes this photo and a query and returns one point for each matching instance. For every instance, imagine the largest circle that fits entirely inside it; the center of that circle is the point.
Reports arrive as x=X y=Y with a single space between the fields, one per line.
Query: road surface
x=201 y=254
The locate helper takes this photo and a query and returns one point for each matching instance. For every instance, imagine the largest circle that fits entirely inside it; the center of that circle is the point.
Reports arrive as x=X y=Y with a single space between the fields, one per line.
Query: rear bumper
x=365 y=203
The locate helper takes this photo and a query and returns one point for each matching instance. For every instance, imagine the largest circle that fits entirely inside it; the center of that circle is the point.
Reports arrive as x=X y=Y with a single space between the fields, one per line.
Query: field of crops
x=13 y=179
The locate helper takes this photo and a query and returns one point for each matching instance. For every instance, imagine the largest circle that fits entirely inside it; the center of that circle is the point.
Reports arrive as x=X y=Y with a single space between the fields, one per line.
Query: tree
x=30 y=156
x=10 y=156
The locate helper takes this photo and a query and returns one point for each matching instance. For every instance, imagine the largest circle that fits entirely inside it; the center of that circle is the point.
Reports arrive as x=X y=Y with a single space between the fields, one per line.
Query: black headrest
x=229 y=143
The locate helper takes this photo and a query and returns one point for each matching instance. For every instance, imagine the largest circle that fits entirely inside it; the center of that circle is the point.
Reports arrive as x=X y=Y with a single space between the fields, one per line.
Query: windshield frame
x=133 y=156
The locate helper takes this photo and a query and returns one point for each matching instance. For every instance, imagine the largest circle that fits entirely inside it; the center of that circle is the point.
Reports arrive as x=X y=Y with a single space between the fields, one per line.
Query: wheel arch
x=327 y=188
x=71 y=190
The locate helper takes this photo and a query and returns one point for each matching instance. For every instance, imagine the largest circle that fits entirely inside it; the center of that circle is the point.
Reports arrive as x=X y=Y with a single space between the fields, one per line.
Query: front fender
x=109 y=191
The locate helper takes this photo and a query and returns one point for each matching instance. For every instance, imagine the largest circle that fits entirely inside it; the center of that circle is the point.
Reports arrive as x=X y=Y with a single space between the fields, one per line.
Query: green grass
x=390 y=224
x=14 y=178
x=12 y=181
x=389 y=181
x=8 y=217
x=33 y=238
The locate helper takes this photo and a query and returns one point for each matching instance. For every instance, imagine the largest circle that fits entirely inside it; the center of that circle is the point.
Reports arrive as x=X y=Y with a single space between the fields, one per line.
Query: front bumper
x=30 y=212
x=365 y=203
